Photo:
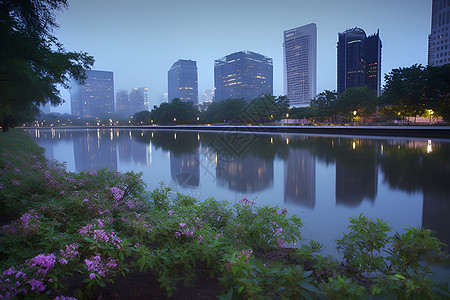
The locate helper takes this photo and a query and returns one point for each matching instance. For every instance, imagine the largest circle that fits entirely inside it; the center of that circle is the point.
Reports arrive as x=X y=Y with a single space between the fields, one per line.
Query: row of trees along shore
x=408 y=92
x=34 y=64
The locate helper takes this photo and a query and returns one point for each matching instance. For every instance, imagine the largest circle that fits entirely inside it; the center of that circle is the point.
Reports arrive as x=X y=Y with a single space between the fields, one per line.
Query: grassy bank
x=70 y=235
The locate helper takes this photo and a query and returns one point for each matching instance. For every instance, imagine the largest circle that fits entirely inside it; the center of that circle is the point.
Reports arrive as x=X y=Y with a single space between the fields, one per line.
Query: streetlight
x=431 y=114
x=287 y=115
x=174 y=119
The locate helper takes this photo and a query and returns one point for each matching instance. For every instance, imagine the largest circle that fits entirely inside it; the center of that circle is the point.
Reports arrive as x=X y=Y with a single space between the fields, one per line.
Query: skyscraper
x=182 y=81
x=243 y=74
x=438 y=40
x=95 y=97
x=122 y=103
x=138 y=100
x=300 y=64
x=359 y=60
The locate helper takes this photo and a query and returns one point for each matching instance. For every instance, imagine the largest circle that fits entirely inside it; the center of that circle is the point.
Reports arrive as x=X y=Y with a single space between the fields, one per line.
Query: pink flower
x=92 y=276
x=170 y=212
x=182 y=225
x=217 y=235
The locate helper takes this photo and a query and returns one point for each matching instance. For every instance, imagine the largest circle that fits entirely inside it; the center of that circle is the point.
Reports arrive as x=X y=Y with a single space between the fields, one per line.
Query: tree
x=33 y=62
x=404 y=90
x=360 y=99
x=325 y=104
x=414 y=90
x=437 y=90
x=175 y=112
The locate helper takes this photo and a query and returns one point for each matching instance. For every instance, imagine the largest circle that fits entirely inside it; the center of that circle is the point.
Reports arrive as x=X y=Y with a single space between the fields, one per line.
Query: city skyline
x=157 y=35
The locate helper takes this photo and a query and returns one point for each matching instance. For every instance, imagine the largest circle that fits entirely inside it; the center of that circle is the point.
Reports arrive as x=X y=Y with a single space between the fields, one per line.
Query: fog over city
x=140 y=40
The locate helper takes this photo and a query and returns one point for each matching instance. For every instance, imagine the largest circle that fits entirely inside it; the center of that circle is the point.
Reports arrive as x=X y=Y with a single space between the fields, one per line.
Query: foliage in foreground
x=92 y=226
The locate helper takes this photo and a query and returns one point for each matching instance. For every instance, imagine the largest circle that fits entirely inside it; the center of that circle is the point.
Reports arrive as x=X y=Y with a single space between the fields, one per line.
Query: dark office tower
x=182 y=81
x=138 y=100
x=438 y=39
x=122 y=103
x=244 y=75
x=373 y=62
x=300 y=64
x=95 y=97
x=300 y=178
x=359 y=60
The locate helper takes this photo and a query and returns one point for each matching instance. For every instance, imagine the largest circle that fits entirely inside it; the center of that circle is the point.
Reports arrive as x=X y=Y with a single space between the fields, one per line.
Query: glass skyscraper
x=182 y=81
x=300 y=64
x=95 y=98
x=438 y=40
x=243 y=74
x=359 y=60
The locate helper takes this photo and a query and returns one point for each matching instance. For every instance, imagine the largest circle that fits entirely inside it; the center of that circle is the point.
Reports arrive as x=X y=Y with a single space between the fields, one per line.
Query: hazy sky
x=140 y=40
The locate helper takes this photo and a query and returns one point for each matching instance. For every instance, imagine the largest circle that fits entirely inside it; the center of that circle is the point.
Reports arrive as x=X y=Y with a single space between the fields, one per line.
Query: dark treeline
x=264 y=109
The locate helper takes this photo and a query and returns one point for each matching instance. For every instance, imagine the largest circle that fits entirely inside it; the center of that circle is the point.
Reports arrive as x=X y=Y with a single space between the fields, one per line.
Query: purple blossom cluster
x=31 y=276
x=245 y=253
x=184 y=231
x=245 y=201
x=96 y=267
x=100 y=235
x=70 y=252
x=43 y=262
x=117 y=193
x=28 y=224
x=278 y=232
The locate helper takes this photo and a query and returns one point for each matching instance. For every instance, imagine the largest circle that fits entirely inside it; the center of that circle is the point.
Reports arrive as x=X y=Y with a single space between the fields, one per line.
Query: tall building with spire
x=438 y=39
x=300 y=64
x=243 y=74
x=182 y=81
x=359 y=60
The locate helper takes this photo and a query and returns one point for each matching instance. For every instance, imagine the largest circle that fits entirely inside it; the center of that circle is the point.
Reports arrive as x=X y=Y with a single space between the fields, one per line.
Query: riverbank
x=418 y=131
x=98 y=233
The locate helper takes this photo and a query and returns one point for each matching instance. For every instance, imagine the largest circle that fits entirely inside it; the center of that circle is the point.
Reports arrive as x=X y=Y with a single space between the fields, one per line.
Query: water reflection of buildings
x=436 y=206
x=130 y=149
x=185 y=169
x=244 y=174
x=95 y=150
x=300 y=178
x=45 y=140
x=356 y=173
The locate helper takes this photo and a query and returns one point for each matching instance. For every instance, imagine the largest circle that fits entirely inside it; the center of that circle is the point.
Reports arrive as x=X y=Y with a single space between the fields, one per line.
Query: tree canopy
x=33 y=61
x=413 y=90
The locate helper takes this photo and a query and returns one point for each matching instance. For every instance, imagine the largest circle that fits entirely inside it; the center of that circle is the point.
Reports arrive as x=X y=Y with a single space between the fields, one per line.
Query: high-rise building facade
x=243 y=74
x=138 y=100
x=438 y=40
x=300 y=64
x=95 y=97
x=182 y=81
x=122 y=103
x=359 y=60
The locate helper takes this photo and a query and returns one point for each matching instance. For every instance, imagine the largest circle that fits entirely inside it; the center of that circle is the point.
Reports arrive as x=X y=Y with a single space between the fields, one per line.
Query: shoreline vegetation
x=99 y=234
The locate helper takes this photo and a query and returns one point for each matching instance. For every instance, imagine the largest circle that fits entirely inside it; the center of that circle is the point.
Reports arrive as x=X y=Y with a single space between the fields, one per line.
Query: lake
x=323 y=179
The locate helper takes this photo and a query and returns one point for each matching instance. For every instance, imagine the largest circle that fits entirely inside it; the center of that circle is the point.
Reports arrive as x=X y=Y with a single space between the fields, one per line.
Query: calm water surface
x=322 y=179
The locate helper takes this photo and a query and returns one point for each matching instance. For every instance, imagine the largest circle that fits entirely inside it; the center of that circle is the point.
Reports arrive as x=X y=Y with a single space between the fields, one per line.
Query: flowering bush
x=96 y=224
